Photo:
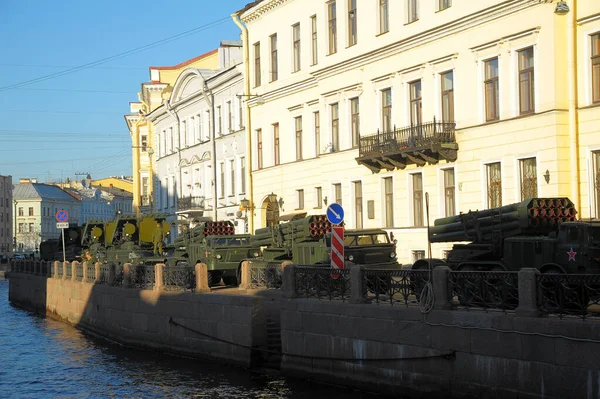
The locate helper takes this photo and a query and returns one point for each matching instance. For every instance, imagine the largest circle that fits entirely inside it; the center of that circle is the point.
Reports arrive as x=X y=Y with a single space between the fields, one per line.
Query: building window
x=412 y=8
x=259 y=142
x=494 y=185
x=30 y=211
x=337 y=190
x=222 y=186
x=596 y=181
x=388 y=186
x=319 y=197
x=314 y=44
x=335 y=127
x=274 y=58
x=300 y=196
x=596 y=68
x=352 y=28
x=184 y=130
x=298 y=124
x=386 y=110
x=418 y=255
x=526 y=81
x=416 y=103
x=21 y=211
x=443 y=4
x=317 y=118
x=167 y=192
x=144 y=141
x=240 y=114
x=171 y=139
x=257 y=64
x=384 y=17
x=243 y=175
x=332 y=17
x=232 y=174
x=449 y=192
x=417 y=187
x=229 y=117
x=31 y=228
x=528 y=178
x=355 y=121
x=276 y=152
x=296 y=45
x=219 y=120
x=447 y=96
x=21 y=228
x=358 y=204
x=492 y=95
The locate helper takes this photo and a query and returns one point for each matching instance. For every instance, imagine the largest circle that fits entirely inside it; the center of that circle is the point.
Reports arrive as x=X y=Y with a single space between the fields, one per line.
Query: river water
x=45 y=358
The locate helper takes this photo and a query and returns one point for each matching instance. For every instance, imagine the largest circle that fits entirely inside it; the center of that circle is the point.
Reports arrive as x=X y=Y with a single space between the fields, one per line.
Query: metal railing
x=91 y=272
x=142 y=276
x=79 y=272
x=117 y=275
x=569 y=295
x=69 y=272
x=409 y=137
x=190 y=203
x=394 y=286
x=322 y=282
x=179 y=278
x=269 y=277
x=487 y=290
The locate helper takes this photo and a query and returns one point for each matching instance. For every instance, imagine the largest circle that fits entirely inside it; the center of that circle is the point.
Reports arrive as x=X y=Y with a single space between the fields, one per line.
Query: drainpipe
x=176 y=117
x=244 y=29
x=573 y=106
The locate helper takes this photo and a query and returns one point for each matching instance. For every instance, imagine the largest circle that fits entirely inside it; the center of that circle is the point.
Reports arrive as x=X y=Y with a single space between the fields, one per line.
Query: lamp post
x=245 y=203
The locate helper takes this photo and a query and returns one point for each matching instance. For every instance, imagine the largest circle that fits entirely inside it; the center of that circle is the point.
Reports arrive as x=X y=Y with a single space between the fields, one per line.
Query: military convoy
x=539 y=232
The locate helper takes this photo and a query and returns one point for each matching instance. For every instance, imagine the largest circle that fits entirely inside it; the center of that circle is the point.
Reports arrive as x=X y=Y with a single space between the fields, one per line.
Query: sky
x=71 y=125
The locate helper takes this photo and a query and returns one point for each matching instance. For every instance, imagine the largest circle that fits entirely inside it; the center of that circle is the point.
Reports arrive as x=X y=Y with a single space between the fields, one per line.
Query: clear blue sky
x=74 y=123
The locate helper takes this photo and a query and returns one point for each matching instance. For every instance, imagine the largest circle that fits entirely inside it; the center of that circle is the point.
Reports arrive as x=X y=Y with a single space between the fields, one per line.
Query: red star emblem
x=206 y=254
x=571 y=254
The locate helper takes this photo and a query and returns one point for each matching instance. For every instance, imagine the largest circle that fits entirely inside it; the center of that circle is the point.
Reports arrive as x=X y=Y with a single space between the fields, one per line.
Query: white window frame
x=410 y=204
x=515 y=107
x=481 y=83
x=382 y=200
x=442 y=190
x=484 y=181
x=517 y=174
x=587 y=55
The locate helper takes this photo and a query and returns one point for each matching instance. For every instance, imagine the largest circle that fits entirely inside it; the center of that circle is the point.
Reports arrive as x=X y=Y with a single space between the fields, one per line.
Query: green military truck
x=538 y=232
x=215 y=244
x=306 y=240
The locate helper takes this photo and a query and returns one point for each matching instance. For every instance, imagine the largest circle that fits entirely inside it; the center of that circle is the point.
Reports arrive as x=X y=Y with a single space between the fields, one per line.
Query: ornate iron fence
x=91 y=272
x=569 y=295
x=43 y=268
x=142 y=276
x=322 y=282
x=104 y=277
x=69 y=273
x=179 y=278
x=394 y=286
x=79 y=272
x=59 y=270
x=487 y=290
x=269 y=277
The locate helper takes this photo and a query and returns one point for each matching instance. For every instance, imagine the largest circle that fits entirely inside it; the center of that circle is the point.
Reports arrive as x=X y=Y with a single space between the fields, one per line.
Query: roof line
x=168 y=68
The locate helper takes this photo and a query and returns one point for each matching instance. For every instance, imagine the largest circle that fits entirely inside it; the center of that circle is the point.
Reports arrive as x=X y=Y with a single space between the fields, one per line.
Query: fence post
x=528 y=306
x=245 y=275
x=36 y=267
x=159 y=284
x=65 y=265
x=441 y=293
x=74 y=265
x=96 y=272
x=55 y=266
x=112 y=269
x=202 y=278
x=357 y=288
x=289 y=282
x=85 y=273
x=127 y=275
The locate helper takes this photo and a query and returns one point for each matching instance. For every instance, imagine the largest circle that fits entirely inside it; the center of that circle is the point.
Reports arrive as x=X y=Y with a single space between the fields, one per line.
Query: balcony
x=191 y=204
x=423 y=144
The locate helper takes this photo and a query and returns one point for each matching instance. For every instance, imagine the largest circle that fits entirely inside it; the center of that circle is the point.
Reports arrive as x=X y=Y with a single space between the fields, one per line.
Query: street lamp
x=245 y=204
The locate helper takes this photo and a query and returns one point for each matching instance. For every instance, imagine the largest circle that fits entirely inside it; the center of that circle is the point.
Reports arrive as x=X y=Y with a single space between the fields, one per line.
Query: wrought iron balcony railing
x=419 y=144
x=191 y=203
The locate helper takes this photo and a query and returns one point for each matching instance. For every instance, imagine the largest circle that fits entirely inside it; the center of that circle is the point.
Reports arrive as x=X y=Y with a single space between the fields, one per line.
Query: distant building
x=6 y=225
x=35 y=209
x=124 y=183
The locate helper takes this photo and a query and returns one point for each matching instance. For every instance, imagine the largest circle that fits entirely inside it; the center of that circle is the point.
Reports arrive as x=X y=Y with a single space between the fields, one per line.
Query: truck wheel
x=214 y=277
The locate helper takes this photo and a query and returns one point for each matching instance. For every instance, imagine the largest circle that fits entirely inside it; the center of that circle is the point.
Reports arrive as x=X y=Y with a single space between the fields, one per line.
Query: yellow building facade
x=376 y=106
x=141 y=131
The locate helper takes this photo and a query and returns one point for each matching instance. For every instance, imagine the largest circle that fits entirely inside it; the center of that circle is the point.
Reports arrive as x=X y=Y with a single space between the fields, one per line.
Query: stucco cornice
x=263 y=8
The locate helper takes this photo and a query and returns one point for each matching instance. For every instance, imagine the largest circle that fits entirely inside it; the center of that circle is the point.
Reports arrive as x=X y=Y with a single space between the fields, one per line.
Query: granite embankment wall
x=176 y=322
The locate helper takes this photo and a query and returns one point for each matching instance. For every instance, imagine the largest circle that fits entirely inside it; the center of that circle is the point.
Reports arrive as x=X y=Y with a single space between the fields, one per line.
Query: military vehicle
x=307 y=240
x=538 y=232
x=52 y=249
x=216 y=245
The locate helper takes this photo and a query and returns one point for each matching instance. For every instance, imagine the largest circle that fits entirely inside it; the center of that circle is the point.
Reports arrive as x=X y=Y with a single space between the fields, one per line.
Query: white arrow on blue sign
x=335 y=214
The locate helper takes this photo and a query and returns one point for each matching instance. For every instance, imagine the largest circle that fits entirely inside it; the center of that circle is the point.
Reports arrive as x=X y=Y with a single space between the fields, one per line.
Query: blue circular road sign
x=335 y=214
x=62 y=216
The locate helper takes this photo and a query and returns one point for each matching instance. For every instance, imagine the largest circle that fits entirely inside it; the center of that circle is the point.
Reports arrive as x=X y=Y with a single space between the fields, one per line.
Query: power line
x=76 y=90
x=116 y=56
x=53 y=161
x=61 y=112
x=54 y=133
x=66 y=66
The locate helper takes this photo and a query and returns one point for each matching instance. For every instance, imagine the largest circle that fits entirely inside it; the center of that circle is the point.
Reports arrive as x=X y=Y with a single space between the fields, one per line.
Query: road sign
x=337 y=251
x=62 y=216
x=335 y=214
x=62 y=225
